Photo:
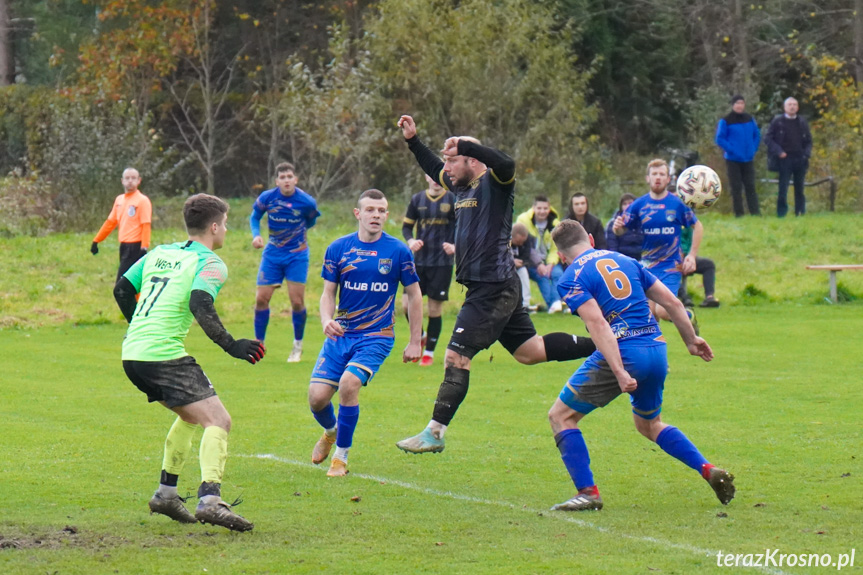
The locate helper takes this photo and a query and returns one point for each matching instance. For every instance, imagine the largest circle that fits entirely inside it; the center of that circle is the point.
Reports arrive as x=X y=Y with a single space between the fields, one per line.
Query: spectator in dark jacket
x=629 y=244
x=789 y=145
x=579 y=210
x=738 y=136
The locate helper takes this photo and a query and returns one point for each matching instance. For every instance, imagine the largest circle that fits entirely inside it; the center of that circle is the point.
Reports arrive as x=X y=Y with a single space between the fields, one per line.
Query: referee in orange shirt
x=132 y=212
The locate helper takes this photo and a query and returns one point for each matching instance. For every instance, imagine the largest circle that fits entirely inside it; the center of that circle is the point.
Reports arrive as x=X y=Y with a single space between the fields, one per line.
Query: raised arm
x=430 y=163
x=502 y=165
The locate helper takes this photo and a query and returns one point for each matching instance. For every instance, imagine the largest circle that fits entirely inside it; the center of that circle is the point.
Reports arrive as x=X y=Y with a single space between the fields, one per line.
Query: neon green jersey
x=165 y=279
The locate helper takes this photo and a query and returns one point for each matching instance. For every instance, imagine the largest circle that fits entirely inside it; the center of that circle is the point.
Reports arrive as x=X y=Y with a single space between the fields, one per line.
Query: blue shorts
x=278 y=265
x=670 y=277
x=359 y=352
x=594 y=385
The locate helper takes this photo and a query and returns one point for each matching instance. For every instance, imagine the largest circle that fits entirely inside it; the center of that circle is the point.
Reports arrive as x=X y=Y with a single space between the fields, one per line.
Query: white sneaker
x=556 y=307
x=296 y=353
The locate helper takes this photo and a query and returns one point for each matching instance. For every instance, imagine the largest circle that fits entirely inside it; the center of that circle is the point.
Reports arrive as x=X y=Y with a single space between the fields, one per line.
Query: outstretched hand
x=250 y=350
x=700 y=348
x=408 y=126
x=94 y=248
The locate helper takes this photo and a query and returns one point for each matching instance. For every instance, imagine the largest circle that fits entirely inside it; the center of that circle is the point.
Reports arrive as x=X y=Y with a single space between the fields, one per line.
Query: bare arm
x=414 y=296
x=332 y=328
x=689 y=260
x=606 y=343
x=663 y=296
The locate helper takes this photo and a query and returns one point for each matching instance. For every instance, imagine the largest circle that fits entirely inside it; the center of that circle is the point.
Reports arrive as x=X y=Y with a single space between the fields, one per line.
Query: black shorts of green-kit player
x=175 y=382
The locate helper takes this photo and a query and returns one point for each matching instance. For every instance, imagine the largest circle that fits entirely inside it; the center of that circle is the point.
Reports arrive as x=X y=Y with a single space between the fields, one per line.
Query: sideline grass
x=779 y=407
x=54 y=279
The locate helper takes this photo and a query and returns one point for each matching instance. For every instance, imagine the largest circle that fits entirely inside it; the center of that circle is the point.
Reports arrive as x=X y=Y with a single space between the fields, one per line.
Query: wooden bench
x=833 y=269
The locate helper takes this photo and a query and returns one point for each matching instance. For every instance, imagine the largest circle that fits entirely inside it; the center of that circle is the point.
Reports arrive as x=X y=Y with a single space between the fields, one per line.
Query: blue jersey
x=368 y=275
x=619 y=284
x=661 y=222
x=288 y=218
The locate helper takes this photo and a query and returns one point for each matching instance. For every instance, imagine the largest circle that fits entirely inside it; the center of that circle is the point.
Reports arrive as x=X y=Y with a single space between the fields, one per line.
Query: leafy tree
x=503 y=71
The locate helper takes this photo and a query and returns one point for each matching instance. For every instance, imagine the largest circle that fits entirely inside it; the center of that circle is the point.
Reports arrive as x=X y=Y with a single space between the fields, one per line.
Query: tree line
x=210 y=94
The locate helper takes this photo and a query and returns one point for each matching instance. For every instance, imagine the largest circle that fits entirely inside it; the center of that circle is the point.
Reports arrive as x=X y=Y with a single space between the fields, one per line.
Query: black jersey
x=435 y=224
x=483 y=211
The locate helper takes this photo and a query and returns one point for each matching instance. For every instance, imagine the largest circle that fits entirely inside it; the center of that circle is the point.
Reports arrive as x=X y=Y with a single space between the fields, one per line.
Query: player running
x=662 y=216
x=290 y=213
x=366 y=268
x=178 y=282
x=610 y=292
x=483 y=180
x=433 y=213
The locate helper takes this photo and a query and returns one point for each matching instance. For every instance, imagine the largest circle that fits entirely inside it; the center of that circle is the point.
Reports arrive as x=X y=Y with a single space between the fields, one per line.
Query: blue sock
x=348 y=417
x=262 y=318
x=299 y=320
x=573 y=451
x=326 y=417
x=674 y=443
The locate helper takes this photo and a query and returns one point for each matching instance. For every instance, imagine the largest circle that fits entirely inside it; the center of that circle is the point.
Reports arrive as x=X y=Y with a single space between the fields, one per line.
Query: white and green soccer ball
x=699 y=187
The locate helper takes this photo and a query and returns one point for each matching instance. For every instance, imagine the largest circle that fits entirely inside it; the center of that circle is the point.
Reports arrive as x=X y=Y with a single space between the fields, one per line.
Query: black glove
x=250 y=350
x=94 y=248
x=143 y=253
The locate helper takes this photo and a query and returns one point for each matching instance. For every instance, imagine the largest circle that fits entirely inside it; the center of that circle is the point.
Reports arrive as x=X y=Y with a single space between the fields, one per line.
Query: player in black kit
x=483 y=181
x=432 y=211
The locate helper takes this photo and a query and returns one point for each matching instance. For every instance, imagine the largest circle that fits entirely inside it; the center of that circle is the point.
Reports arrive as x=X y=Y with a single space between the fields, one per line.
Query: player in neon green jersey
x=176 y=283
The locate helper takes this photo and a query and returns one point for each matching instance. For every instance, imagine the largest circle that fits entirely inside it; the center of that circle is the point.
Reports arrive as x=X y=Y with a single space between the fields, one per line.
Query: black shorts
x=491 y=312
x=435 y=281
x=129 y=254
x=176 y=382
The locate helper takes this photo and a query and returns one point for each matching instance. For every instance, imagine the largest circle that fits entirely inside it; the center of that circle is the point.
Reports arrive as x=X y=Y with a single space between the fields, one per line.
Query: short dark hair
x=540 y=198
x=568 y=233
x=201 y=210
x=372 y=194
x=285 y=167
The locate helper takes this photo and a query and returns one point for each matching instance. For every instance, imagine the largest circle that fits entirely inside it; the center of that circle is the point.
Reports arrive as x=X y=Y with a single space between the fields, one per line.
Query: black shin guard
x=433 y=332
x=450 y=395
x=561 y=346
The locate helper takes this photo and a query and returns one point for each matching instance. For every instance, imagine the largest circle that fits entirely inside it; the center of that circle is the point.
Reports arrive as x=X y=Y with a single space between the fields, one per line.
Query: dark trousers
x=789 y=166
x=129 y=254
x=741 y=176
x=707 y=269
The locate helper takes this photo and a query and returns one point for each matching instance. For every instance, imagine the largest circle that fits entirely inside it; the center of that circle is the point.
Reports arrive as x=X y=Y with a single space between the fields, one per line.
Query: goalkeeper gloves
x=94 y=248
x=250 y=350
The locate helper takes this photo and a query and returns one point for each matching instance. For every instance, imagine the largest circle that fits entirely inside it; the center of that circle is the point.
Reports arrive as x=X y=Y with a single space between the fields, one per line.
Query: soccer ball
x=698 y=187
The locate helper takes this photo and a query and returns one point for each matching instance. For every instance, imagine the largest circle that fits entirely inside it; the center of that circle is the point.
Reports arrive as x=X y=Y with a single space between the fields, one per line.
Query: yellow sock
x=178 y=445
x=214 y=452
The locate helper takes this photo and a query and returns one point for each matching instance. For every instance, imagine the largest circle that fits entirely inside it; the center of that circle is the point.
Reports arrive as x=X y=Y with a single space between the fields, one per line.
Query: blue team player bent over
x=610 y=292
x=366 y=268
x=662 y=216
x=290 y=212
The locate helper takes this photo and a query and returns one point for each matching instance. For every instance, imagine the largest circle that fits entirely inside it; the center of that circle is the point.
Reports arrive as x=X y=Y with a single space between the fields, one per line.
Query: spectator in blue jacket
x=738 y=136
x=629 y=244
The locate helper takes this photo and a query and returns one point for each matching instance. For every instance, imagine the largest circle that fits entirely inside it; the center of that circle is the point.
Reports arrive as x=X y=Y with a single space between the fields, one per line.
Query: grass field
x=80 y=450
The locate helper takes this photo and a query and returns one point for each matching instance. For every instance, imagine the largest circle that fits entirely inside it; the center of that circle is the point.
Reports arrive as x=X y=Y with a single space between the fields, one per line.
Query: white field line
x=560 y=516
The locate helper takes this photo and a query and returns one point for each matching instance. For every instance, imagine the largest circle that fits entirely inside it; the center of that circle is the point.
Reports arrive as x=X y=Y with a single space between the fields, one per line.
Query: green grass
x=81 y=450
x=779 y=406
